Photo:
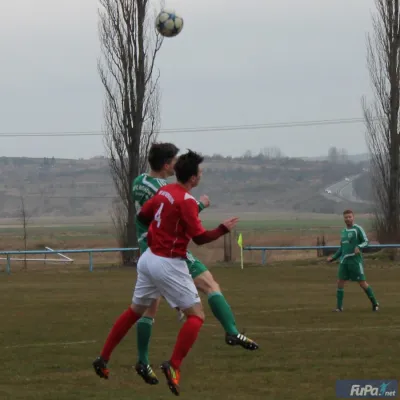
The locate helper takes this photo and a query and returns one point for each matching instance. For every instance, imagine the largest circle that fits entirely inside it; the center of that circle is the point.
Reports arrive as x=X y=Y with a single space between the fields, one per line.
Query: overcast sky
x=236 y=62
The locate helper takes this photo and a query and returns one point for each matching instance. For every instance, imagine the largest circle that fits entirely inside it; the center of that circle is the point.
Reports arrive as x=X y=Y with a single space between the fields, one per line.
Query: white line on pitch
x=21 y=346
x=288 y=309
x=264 y=331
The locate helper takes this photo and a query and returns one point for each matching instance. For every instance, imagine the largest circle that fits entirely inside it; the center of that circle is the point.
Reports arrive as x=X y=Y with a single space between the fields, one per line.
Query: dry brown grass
x=102 y=237
x=259 y=229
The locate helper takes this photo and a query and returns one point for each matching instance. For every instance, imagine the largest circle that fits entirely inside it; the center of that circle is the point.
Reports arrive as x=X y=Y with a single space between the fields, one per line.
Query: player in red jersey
x=162 y=271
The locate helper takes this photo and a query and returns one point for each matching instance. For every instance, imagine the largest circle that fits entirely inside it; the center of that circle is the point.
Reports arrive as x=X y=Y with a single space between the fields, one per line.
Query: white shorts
x=167 y=277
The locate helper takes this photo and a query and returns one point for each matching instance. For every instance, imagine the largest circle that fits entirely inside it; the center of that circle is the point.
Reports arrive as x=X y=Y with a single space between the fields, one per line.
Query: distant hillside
x=355 y=158
x=59 y=187
x=363 y=187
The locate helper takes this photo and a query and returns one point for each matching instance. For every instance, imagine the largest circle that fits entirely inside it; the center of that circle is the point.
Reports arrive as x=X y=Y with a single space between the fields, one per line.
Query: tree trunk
x=382 y=118
x=129 y=45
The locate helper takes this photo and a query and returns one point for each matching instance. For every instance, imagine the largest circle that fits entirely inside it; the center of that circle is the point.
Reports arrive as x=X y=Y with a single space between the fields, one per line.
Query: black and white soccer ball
x=168 y=23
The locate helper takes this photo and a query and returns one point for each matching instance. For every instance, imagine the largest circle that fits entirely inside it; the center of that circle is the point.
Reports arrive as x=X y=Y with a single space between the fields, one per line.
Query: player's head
x=162 y=158
x=188 y=170
x=348 y=217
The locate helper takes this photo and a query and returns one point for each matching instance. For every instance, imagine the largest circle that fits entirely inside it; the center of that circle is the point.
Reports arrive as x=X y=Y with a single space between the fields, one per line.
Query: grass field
x=54 y=323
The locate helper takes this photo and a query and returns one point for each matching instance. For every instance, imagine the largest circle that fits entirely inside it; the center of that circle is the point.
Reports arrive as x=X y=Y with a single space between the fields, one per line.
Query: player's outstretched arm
x=336 y=255
x=210 y=236
x=194 y=227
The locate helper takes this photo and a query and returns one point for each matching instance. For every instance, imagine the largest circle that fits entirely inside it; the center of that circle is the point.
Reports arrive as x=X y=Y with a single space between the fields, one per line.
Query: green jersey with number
x=144 y=187
x=351 y=238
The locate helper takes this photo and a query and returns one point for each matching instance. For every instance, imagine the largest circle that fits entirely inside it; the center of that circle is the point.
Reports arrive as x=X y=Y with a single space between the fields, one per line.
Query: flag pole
x=240 y=243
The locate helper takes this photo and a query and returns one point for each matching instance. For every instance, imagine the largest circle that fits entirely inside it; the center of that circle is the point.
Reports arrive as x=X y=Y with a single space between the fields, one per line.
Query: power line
x=227 y=128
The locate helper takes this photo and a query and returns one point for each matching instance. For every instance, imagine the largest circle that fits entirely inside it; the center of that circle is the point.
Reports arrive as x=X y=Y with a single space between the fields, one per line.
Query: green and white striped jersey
x=144 y=187
x=350 y=238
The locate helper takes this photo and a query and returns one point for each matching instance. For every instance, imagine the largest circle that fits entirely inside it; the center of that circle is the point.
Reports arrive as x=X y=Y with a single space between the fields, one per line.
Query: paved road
x=344 y=191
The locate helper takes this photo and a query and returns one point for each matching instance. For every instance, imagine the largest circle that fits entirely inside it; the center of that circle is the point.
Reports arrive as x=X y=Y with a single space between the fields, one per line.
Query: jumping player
x=162 y=158
x=352 y=241
x=162 y=270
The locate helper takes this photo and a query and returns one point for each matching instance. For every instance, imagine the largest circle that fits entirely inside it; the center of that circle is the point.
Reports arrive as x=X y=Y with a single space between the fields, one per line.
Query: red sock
x=118 y=331
x=186 y=338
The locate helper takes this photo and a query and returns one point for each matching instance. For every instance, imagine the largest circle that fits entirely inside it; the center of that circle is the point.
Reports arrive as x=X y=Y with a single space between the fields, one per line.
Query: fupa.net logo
x=369 y=390
x=366 y=389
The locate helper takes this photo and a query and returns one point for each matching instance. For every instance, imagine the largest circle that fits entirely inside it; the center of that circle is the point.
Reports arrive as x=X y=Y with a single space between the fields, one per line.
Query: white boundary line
x=319 y=330
x=289 y=309
x=62 y=344
x=264 y=333
x=283 y=310
x=261 y=330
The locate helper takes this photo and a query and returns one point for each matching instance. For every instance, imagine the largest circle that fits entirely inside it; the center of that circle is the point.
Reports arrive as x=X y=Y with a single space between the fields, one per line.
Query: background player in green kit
x=351 y=268
x=162 y=158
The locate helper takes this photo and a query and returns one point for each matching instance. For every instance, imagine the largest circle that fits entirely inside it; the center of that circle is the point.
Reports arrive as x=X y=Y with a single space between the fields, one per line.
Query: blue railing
x=90 y=252
x=264 y=249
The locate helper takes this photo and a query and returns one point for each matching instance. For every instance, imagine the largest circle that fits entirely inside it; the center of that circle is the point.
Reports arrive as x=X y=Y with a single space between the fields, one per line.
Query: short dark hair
x=345 y=212
x=187 y=166
x=161 y=154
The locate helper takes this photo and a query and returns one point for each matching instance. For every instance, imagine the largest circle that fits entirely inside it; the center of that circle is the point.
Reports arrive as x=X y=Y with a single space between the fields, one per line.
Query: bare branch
x=129 y=45
x=382 y=116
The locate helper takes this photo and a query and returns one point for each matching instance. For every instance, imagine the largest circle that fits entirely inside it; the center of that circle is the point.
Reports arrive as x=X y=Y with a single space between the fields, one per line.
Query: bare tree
x=333 y=155
x=272 y=153
x=129 y=45
x=382 y=117
x=24 y=217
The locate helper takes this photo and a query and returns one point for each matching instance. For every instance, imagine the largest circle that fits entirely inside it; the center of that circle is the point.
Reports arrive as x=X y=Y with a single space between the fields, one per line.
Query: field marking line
x=257 y=328
x=22 y=346
x=288 y=309
x=283 y=310
x=312 y=330
x=319 y=330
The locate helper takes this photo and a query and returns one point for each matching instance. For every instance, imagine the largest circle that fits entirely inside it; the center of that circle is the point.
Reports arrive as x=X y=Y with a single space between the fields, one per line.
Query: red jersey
x=174 y=213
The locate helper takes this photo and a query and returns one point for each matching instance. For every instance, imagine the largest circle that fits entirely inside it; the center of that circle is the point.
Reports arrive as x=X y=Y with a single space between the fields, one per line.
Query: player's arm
x=362 y=238
x=210 y=236
x=194 y=227
x=337 y=254
x=147 y=212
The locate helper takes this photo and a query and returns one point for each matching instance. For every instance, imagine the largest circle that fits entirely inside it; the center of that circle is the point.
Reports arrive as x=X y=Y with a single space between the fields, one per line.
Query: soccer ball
x=169 y=24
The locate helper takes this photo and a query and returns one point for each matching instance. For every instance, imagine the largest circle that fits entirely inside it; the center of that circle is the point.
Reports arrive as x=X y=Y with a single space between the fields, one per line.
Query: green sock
x=370 y=293
x=144 y=327
x=339 y=298
x=222 y=311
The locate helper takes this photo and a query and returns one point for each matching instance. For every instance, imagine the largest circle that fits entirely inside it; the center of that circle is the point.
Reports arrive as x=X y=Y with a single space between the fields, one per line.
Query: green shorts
x=351 y=271
x=195 y=266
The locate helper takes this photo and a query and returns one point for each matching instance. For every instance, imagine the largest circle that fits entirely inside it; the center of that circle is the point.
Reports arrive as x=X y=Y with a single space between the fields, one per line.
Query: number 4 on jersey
x=157 y=216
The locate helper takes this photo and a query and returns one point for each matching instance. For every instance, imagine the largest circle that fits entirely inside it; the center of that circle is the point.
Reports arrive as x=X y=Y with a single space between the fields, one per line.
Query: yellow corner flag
x=240 y=243
x=240 y=240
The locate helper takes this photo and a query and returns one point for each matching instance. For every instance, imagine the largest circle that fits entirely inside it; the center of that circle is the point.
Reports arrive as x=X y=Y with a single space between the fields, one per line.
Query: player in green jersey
x=351 y=268
x=162 y=158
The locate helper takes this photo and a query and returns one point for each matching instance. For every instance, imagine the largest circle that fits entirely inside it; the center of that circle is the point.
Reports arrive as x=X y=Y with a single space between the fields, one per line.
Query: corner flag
x=240 y=243
x=240 y=240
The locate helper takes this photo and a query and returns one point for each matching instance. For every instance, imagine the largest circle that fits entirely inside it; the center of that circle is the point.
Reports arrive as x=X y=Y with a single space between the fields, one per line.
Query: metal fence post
x=90 y=261
x=264 y=257
x=8 y=264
